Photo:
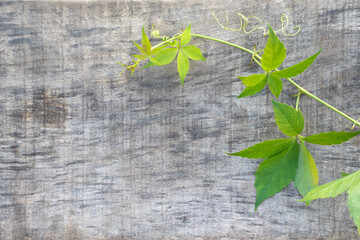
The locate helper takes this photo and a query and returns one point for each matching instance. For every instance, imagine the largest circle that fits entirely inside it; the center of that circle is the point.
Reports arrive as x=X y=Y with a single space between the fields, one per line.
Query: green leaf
x=297 y=68
x=175 y=43
x=253 y=80
x=330 y=138
x=186 y=36
x=345 y=174
x=193 y=53
x=155 y=51
x=183 y=66
x=145 y=42
x=275 y=84
x=353 y=204
x=264 y=149
x=141 y=57
x=153 y=60
x=275 y=173
x=164 y=57
x=334 y=188
x=274 y=52
x=306 y=175
x=289 y=120
x=256 y=83
x=142 y=51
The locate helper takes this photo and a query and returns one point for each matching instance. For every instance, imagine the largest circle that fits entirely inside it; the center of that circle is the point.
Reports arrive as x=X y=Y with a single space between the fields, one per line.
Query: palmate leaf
x=275 y=173
x=274 y=52
x=275 y=84
x=289 y=120
x=183 y=65
x=354 y=204
x=306 y=174
x=330 y=138
x=334 y=188
x=264 y=149
x=297 y=68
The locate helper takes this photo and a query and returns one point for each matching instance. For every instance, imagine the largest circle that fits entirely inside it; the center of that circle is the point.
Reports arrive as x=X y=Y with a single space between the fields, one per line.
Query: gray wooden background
x=86 y=154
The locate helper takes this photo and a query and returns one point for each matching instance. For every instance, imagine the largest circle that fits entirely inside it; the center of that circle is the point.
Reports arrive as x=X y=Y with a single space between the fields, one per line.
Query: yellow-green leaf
x=334 y=188
x=253 y=80
x=193 y=53
x=142 y=51
x=255 y=83
x=145 y=42
x=183 y=65
x=164 y=57
x=274 y=52
x=306 y=175
x=354 y=204
x=186 y=36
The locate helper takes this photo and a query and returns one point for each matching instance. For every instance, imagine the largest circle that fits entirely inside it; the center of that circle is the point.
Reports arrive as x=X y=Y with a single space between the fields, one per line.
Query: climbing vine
x=287 y=159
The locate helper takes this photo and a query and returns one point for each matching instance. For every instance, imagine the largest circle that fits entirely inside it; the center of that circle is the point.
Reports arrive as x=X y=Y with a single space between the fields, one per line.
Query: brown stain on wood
x=48 y=107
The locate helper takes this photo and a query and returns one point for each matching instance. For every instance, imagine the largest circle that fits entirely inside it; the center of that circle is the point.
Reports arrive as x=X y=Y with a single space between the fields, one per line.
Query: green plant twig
x=289 y=79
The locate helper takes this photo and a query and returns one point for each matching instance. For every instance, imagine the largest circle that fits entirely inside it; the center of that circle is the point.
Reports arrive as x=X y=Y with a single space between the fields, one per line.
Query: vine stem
x=303 y=90
x=298 y=100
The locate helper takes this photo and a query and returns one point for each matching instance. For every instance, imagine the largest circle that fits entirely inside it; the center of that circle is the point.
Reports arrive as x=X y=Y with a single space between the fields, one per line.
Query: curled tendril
x=244 y=21
x=156 y=34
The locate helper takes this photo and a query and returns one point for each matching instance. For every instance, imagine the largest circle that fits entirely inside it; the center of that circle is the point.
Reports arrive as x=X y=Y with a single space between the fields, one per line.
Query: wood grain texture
x=86 y=154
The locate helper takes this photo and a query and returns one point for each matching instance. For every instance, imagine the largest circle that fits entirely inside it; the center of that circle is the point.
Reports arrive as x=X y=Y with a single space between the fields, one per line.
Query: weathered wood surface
x=86 y=154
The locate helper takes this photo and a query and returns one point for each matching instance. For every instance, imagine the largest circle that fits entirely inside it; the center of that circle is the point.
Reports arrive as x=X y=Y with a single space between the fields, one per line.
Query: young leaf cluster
x=166 y=52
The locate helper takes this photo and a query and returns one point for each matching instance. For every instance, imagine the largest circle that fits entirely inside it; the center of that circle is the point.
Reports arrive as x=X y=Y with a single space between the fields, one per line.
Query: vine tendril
x=244 y=21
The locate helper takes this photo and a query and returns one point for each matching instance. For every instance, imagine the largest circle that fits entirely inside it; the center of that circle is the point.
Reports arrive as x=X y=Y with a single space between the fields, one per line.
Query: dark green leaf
x=145 y=42
x=256 y=83
x=297 y=68
x=275 y=173
x=274 y=52
x=330 y=138
x=289 y=120
x=183 y=65
x=186 y=36
x=345 y=174
x=306 y=174
x=264 y=149
x=193 y=53
x=275 y=84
